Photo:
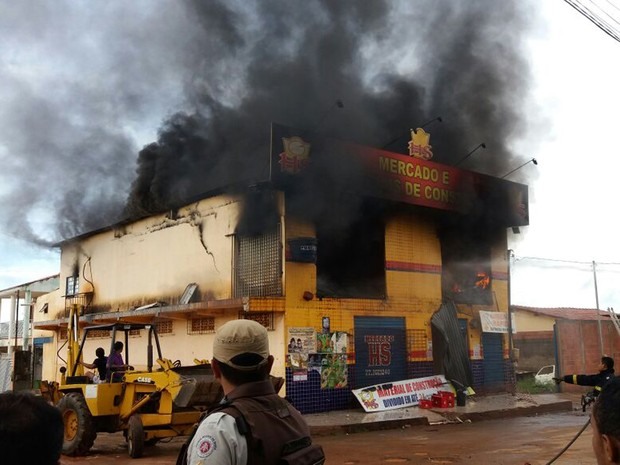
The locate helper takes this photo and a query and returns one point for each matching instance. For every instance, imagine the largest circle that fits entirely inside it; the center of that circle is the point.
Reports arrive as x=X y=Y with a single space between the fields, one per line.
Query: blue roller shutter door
x=380 y=350
x=493 y=359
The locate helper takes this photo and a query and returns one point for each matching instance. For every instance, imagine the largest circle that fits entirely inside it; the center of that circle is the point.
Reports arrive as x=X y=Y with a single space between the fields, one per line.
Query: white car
x=545 y=375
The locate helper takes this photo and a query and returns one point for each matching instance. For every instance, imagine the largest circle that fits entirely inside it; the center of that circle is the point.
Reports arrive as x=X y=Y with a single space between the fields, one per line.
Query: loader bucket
x=196 y=387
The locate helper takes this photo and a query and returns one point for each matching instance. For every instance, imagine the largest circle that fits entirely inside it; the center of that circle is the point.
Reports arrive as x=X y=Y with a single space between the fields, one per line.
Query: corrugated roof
x=38 y=287
x=566 y=313
x=4 y=330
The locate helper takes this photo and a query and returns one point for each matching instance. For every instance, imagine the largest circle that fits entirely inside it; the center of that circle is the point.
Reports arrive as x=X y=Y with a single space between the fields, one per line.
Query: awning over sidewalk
x=157 y=310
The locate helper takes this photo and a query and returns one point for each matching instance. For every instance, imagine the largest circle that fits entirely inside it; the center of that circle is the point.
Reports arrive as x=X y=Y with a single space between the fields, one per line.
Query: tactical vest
x=275 y=431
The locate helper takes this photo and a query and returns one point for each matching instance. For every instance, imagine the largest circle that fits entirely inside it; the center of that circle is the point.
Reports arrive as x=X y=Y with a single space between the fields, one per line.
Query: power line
x=613 y=5
x=577 y=262
x=596 y=18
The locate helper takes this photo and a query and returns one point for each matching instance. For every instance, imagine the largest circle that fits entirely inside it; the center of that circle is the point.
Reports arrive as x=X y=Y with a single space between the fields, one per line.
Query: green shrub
x=529 y=386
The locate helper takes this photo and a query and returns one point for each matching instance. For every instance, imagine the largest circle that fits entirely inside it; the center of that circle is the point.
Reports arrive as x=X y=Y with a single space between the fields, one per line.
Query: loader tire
x=79 y=434
x=135 y=437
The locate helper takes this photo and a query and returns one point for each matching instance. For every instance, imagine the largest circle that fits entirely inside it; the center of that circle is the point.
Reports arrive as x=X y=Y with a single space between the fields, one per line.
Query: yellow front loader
x=162 y=401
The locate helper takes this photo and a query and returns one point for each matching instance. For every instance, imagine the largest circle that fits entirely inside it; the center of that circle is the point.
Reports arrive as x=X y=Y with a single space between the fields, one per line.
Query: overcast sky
x=573 y=203
x=84 y=87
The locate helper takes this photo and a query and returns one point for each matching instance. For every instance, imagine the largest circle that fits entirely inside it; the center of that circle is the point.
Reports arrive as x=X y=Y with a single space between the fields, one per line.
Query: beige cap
x=239 y=337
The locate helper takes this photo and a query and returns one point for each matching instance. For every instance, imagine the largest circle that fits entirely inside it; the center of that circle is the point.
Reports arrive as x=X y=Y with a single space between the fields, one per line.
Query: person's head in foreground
x=31 y=430
x=605 y=420
x=241 y=353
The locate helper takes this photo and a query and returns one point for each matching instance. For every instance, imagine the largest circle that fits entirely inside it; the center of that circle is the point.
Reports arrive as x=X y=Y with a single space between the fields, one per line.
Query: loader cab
x=118 y=332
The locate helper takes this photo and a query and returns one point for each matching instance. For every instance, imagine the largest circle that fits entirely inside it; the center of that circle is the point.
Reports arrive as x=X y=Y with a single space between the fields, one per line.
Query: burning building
x=362 y=260
x=367 y=266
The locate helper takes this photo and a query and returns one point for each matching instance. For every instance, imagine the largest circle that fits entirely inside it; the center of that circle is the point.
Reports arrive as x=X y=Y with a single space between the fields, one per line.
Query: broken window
x=258 y=264
x=351 y=255
x=466 y=268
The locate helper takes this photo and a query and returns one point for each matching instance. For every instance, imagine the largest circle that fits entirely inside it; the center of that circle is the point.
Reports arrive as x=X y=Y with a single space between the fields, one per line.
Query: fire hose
x=583 y=428
x=586 y=400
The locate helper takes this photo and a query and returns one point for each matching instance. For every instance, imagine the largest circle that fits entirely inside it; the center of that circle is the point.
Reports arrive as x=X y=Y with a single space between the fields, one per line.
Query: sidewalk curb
x=355 y=422
x=562 y=406
x=329 y=430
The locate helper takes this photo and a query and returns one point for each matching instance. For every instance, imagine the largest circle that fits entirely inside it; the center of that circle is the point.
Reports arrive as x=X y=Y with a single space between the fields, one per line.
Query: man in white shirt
x=252 y=424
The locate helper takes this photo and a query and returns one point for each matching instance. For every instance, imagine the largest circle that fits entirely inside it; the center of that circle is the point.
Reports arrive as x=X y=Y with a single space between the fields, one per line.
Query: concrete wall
x=157 y=257
x=527 y=321
x=536 y=349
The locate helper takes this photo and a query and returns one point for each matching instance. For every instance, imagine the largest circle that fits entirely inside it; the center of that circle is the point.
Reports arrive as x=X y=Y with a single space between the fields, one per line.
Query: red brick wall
x=579 y=349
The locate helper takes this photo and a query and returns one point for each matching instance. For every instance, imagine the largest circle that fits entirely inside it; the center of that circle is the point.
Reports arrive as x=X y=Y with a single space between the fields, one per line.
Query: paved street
x=510 y=441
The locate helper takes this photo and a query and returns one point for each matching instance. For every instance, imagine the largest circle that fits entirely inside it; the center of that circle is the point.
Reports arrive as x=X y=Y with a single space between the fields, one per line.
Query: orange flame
x=482 y=280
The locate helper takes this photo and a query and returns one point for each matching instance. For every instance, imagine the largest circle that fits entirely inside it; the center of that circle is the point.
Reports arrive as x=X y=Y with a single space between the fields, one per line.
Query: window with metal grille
x=258 y=265
x=99 y=333
x=164 y=327
x=264 y=318
x=417 y=343
x=201 y=325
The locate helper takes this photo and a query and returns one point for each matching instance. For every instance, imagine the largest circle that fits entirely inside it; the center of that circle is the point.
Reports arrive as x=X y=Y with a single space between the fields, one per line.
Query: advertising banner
x=411 y=178
x=496 y=322
x=400 y=394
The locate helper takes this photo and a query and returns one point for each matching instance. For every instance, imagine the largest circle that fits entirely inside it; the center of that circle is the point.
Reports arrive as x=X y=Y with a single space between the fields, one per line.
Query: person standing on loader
x=598 y=380
x=252 y=424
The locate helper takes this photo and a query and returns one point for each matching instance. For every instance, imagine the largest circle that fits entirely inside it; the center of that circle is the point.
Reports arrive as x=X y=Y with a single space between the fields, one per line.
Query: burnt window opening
x=258 y=264
x=72 y=285
x=351 y=257
x=466 y=268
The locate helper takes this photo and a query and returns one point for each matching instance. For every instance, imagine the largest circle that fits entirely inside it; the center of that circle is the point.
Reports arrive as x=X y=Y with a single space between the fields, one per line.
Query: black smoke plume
x=242 y=65
x=295 y=62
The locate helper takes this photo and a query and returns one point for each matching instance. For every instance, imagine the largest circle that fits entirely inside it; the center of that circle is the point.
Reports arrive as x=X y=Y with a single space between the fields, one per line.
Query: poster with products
x=330 y=359
x=334 y=371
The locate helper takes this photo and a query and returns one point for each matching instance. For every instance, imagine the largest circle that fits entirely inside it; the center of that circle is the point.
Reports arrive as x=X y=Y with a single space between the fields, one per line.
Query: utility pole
x=509 y=256
x=511 y=355
x=598 y=313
